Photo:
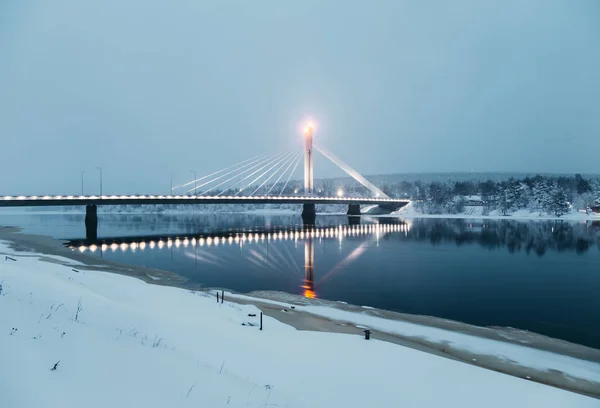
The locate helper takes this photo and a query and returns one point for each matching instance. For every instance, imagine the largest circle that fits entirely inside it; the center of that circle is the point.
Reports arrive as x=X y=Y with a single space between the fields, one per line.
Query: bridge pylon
x=308 y=160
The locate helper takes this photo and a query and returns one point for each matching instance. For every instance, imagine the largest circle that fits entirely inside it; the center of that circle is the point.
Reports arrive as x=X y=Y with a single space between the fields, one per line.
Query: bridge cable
x=237 y=176
x=292 y=172
x=351 y=172
x=220 y=171
x=285 y=170
x=283 y=164
x=267 y=160
x=264 y=173
x=249 y=175
x=290 y=159
x=262 y=159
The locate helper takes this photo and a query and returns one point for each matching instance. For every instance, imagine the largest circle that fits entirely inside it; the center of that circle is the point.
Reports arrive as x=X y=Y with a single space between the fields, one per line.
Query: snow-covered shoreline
x=476 y=213
x=162 y=346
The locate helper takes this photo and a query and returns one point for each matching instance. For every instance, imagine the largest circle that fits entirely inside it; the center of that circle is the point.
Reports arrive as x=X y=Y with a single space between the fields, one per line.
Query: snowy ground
x=473 y=212
x=118 y=342
x=525 y=356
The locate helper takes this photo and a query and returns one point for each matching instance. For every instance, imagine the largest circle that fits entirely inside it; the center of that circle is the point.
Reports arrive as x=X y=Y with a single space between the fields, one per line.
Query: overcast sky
x=147 y=88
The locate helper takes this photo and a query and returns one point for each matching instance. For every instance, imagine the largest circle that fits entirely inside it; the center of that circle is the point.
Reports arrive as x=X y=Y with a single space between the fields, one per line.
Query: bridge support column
x=353 y=220
x=353 y=210
x=91 y=222
x=309 y=213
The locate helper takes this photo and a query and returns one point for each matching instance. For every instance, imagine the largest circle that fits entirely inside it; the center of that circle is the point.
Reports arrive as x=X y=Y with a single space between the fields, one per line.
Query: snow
x=525 y=356
x=133 y=344
x=475 y=212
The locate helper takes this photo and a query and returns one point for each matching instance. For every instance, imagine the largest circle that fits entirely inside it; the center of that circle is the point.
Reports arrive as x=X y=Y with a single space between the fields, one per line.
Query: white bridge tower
x=308 y=160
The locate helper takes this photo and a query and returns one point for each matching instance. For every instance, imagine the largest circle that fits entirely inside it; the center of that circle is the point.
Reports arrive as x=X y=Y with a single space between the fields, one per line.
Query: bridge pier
x=353 y=210
x=309 y=213
x=353 y=220
x=91 y=222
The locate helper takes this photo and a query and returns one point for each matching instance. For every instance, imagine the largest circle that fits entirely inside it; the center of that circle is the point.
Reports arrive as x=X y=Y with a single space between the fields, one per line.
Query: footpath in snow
x=74 y=338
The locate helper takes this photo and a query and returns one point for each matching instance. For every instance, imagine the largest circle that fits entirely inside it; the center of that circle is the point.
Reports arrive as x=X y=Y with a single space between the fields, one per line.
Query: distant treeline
x=549 y=194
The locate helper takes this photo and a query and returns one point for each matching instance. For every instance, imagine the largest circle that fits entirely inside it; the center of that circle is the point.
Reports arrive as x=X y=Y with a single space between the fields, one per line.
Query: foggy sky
x=147 y=89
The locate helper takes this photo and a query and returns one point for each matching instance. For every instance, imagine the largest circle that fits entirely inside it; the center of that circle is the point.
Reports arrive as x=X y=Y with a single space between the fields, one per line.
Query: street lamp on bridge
x=82 y=171
x=100 y=168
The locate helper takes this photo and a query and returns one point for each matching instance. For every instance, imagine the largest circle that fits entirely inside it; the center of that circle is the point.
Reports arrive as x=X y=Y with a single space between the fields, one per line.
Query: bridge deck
x=35 y=201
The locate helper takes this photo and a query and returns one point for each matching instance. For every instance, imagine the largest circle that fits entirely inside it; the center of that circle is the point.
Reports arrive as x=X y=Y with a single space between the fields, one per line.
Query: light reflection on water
x=305 y=236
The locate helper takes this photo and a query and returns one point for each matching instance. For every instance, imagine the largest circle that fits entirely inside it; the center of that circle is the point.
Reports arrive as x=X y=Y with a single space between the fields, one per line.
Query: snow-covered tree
x=504 y=201
x=559 y=203
x=541 y=195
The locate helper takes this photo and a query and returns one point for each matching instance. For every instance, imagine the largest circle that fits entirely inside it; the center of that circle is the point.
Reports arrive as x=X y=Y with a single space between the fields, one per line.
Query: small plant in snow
x=268 y=388
x=53 y=310
x=79 y=309
x=119 y=333
x=156 y=342
x=190 y=390
x=13 y=331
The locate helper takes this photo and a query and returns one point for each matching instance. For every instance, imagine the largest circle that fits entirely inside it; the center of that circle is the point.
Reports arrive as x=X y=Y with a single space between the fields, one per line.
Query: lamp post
x=82 y=171
x=195 y=178
x=100 y=168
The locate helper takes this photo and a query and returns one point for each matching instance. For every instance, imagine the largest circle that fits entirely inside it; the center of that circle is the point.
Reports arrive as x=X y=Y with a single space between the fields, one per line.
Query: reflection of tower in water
x=309 y=267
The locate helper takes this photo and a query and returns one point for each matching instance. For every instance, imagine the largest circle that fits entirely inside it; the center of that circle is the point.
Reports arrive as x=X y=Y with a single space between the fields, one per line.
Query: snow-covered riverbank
x=476 y=212
x=117 y=341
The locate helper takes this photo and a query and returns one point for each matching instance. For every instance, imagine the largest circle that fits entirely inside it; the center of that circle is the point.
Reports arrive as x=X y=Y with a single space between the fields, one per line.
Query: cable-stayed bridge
x=264 y=179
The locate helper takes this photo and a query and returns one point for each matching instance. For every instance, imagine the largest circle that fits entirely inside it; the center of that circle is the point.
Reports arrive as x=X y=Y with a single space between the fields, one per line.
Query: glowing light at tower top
x=306 y=125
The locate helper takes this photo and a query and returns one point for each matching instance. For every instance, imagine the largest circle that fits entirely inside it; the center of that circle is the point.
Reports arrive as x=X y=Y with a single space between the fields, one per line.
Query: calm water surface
x=542 y=276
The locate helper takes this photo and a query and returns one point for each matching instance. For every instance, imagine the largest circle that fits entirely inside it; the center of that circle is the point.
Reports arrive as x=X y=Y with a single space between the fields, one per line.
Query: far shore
x=471 y=213
x=270 y=304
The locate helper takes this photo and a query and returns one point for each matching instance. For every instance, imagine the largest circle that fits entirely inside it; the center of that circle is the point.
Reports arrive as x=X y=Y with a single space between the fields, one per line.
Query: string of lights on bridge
x=241 y=239
x=192 y=197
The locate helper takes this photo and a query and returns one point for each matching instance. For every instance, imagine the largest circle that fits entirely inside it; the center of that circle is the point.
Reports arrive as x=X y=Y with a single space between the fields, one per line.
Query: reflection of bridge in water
x=534 y=237
x=242 y=238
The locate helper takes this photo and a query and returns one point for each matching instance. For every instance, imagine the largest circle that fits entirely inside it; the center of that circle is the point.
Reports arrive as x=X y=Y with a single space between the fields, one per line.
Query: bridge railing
x=194 y=198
